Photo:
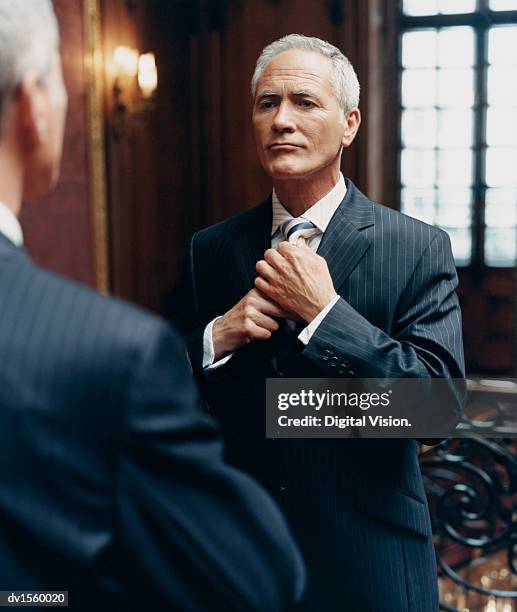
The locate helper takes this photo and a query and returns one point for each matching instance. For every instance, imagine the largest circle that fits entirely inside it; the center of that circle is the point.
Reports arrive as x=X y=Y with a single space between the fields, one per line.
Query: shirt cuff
x=307 y=332
x=208 y=349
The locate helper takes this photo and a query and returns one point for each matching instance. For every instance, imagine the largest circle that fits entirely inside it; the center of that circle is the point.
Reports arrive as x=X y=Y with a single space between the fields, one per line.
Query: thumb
x=301 y=242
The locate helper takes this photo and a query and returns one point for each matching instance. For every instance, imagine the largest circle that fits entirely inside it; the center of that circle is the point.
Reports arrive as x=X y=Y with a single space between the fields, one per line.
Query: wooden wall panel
x=57 y=228
x=152 y=168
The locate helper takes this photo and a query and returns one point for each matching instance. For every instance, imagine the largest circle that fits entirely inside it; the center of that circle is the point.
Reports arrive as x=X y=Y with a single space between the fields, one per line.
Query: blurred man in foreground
x=112 y=485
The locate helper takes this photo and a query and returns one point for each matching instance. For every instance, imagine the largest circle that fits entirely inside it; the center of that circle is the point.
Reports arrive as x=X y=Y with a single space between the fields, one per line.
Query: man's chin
x=285 y=172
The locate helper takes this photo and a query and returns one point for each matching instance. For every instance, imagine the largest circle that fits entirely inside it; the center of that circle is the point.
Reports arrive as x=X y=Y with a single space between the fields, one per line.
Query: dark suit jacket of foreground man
x=357 y=507
x=112 y=484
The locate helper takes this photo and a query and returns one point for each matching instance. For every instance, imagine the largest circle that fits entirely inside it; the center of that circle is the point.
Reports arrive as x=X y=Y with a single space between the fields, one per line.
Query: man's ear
x=32 y=118
x=352 y=123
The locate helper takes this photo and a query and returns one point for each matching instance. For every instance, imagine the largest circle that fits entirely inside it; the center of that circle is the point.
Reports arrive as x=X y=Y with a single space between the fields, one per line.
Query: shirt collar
x=10 y=226
x=319 y=213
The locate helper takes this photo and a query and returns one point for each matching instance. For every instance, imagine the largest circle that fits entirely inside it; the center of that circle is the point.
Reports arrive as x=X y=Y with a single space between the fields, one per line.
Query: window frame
x=480 y=21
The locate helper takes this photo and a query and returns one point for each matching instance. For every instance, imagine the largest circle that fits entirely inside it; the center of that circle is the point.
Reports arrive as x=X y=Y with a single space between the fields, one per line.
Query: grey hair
x=345 y=83
x=29 y=37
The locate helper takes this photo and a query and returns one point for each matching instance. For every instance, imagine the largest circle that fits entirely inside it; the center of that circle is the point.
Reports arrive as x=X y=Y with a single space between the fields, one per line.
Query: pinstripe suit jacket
x=357 y=507
x=112 y=484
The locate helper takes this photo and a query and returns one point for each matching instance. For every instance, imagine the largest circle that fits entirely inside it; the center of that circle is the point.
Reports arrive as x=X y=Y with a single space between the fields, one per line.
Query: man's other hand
x=252 y=318
x=296 y=278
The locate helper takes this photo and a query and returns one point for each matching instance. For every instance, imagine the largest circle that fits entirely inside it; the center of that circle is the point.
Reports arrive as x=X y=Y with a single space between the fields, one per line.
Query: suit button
x=333 y=361
x=283 y=489
x=327 y=354
x=340 y=370
x=352 y=371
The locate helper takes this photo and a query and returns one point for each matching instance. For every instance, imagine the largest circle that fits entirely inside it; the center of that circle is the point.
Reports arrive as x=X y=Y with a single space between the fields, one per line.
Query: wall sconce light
x=136 y=81
x=147 y=75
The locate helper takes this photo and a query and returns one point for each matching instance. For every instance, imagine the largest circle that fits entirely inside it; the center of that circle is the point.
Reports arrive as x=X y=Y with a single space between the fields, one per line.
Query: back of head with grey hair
x=29 y=37
x=345 y=83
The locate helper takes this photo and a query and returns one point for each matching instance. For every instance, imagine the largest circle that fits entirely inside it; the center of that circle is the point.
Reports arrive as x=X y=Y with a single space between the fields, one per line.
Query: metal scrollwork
x=471 y=485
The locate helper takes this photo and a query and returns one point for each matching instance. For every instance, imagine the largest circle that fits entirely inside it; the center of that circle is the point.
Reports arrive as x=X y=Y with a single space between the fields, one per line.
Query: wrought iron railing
x=471 y=483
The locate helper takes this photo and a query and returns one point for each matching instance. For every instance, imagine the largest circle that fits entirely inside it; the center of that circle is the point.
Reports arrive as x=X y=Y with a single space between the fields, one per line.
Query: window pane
x=501 y=167
x=502 y=45
x=418 y=88
x=455 y=167
x=418 y=167
x=455 y=88
x=455 y=128
x=501 y=127
x=500 y=246
x=420 y=7
x=501 y=207
x=450 y=7
x=461 y=241
x=419 y=49
x=456 y=47
x=503 y=5
x=419 y=128
x=454 y=208
x=419 y=203
x=502 y=86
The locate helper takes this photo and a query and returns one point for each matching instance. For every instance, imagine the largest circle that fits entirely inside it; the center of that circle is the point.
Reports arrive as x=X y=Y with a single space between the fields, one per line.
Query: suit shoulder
x=83 y=310
x=406 y=227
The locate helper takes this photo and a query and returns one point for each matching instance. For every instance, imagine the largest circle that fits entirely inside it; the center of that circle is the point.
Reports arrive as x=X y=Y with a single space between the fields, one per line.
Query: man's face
x=49 y=104
x=298 y=122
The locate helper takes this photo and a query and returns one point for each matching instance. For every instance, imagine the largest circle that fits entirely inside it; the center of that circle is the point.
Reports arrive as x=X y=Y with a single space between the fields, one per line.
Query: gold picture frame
x=94 y=74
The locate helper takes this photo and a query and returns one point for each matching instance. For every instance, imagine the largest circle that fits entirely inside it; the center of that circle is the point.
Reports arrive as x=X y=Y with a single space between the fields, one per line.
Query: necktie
x=292 y=229
x=286 y=345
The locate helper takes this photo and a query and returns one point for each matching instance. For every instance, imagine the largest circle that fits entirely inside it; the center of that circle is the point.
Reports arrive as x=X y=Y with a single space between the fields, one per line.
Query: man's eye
x=306 y=103
x=266 y=104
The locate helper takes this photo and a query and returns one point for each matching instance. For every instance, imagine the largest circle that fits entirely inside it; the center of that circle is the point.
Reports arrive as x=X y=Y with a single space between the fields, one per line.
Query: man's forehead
x=297 y=68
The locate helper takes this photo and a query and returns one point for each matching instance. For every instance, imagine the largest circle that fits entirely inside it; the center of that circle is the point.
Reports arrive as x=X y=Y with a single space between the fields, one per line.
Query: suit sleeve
x=426 y=338
x=197 y=534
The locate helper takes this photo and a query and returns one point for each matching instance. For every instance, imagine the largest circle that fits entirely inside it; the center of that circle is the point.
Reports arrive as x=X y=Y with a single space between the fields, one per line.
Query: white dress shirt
x=320 y=214
x=10 y=226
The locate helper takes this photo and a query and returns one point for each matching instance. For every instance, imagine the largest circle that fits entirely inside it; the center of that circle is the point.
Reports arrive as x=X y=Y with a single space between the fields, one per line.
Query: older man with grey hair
x=113 y=489
x=318 y=281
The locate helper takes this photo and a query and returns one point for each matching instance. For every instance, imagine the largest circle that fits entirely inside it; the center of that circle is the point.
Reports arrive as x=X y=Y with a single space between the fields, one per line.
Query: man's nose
x=284 y=119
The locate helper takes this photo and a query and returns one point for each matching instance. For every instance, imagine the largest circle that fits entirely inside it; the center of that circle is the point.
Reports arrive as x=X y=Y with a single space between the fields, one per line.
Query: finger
x=268 y=306
x=265 y=288
x=256 y=332
x=285 y=247
x=274 y=259
x=265 y=322
x=301 y=241
x=265 y=270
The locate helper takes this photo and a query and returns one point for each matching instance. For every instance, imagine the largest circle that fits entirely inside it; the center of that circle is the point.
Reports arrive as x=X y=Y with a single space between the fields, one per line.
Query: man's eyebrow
x=305 y=92
x=267 y=93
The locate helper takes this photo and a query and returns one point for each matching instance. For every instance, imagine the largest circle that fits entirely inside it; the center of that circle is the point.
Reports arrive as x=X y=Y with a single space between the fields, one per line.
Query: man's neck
x=298 y=195
x=10 y=184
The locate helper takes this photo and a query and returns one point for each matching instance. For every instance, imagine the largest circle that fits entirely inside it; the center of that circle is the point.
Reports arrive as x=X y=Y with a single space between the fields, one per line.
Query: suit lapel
x=343 y=243
x=252 y=238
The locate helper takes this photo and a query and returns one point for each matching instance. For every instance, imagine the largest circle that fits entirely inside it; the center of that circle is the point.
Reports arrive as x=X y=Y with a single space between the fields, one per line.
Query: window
x=458 y=124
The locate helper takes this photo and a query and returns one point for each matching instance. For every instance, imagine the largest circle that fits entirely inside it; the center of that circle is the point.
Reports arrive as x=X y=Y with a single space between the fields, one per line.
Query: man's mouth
x=283 y=145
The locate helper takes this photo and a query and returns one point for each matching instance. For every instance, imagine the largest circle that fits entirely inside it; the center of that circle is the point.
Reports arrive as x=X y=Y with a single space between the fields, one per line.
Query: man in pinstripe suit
x=112 y=482
x=372 y=295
